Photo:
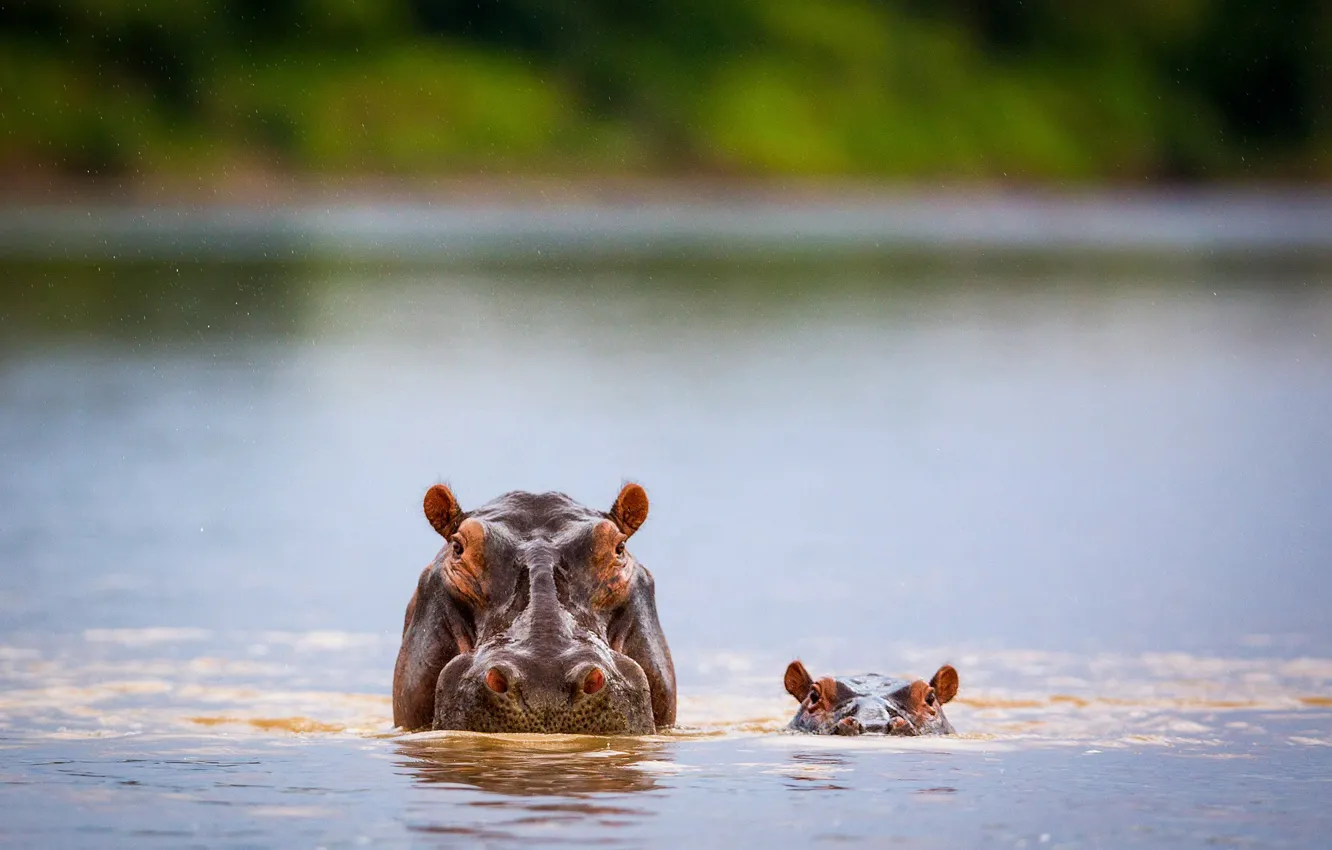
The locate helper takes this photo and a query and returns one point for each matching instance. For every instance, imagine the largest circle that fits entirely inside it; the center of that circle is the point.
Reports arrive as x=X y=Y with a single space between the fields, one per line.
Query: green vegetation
x=1022 y=89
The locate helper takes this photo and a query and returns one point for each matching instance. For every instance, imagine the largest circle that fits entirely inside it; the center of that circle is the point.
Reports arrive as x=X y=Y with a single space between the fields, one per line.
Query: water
x=1097 y=484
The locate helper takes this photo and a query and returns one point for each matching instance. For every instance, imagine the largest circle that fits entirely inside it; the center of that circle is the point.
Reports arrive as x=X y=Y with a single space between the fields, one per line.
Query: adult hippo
x=854 y=705
x=534 y=617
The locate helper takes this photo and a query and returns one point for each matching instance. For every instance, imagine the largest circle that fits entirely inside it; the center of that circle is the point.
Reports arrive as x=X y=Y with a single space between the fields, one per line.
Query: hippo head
x=871 y=703
x=534 y=617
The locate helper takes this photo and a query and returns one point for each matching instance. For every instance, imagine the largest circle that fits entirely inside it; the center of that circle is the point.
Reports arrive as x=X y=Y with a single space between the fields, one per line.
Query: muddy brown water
x=1100 y=489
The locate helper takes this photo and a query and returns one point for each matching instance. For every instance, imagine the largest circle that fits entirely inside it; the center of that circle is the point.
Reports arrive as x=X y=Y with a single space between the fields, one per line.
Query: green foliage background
x=955 y=89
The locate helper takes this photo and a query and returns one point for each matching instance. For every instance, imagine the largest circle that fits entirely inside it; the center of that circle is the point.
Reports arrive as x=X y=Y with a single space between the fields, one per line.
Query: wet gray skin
x=871 y=703
x=534 y=617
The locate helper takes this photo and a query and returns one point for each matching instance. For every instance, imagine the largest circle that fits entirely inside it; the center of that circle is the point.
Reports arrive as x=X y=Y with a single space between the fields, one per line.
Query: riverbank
x=385 y=221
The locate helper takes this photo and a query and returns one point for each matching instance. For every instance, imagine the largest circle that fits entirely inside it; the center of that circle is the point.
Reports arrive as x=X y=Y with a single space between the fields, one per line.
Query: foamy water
x=170 y=735
x=160 y=681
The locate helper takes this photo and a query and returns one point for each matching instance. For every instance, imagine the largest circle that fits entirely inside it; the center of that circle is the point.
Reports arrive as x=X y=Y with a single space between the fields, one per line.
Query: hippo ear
x=798 y=681
x=630 y=509
x=441 y=508
x=945 y=684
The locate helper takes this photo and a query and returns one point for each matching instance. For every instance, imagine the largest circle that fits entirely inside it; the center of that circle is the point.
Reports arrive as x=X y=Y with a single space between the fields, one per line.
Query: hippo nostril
x=849 y=726
x=495 y=681
x=594 y=681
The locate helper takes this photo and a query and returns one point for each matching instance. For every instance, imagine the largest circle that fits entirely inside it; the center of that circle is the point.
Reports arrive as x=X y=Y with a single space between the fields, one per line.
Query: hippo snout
x=540 y=684
x=574 y=693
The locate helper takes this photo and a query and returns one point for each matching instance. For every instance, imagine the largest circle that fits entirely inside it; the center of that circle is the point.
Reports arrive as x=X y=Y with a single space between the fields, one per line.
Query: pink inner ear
x=630 y=509
x=797 y=681
x=441 y=508
x=945 y=683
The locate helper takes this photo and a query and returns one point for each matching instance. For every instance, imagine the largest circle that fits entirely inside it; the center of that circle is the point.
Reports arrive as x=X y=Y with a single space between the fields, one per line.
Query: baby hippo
x=871 y=703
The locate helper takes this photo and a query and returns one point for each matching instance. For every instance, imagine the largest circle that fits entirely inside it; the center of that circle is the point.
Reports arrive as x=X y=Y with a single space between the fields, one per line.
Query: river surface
x=1099 y=485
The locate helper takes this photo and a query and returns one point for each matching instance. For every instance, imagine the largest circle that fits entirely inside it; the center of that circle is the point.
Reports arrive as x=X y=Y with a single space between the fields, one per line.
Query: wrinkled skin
x=874 y=704
x=534 y=617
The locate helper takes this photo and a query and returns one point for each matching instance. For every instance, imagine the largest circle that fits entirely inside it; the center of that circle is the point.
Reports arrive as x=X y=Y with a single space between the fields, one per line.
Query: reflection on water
x=535 y=786
x=815 y=772
x=532 y=765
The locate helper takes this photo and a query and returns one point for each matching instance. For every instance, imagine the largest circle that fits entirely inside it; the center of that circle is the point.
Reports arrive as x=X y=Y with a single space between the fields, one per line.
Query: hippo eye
x=457 y=548
x=814 y=697
x=619 y=549
x=929 y=697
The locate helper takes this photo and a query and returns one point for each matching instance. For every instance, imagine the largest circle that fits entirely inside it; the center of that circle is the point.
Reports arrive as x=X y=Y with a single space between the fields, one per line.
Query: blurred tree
x=1034 y=89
